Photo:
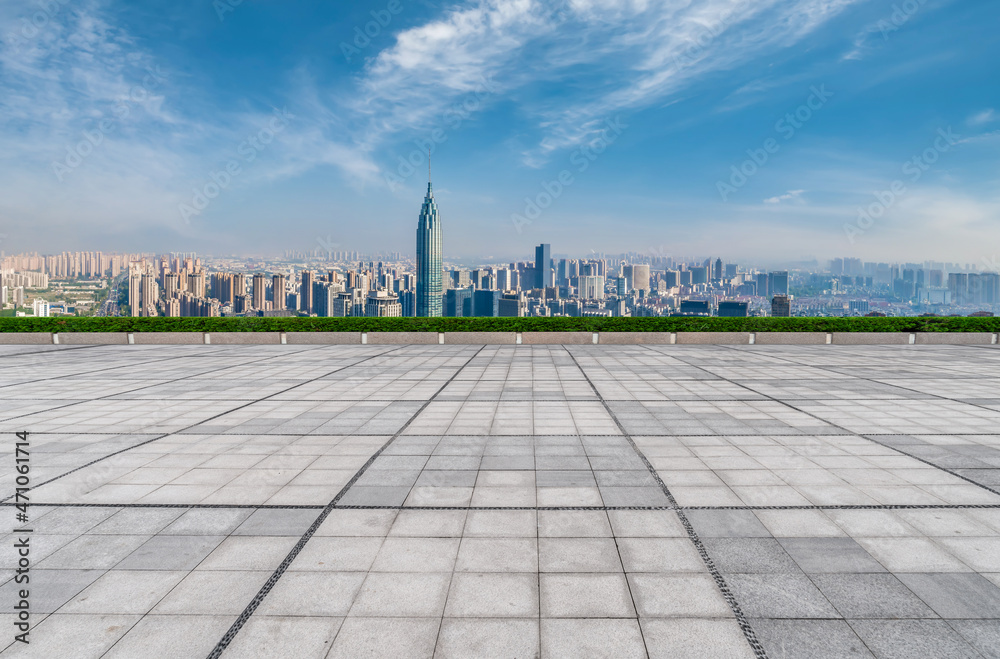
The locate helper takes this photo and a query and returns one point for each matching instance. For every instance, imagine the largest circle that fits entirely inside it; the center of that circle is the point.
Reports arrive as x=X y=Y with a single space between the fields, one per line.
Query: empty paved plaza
x=468 y=501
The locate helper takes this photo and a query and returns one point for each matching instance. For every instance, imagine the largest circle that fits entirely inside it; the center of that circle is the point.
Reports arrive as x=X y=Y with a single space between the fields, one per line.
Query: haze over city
x=768 y=132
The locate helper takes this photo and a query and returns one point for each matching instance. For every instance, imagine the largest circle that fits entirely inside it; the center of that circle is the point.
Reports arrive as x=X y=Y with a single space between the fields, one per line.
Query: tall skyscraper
x=278 y=292
x=543 y=264
x=307 y=291
x=779 y=282
x=429 y=256
x=259 y=291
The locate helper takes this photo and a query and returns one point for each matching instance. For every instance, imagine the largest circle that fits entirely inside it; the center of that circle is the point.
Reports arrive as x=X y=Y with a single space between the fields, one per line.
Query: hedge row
x=68 y=324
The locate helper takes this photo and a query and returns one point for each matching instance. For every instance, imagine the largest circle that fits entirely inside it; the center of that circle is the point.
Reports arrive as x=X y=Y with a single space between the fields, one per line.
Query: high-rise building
x=591 y=288
x=149 y=294
x=239 y=285
x=778 y=283
x=485 y=303
x=171 y=285
x=511 y=305
x=543 y=265
x=781 y=306
x=196 y=284
x=278 y=292
x=382 y=304
x=259 y=291
x=763 y=285
x=458 y=303
x=429 y=257
x=307 y=291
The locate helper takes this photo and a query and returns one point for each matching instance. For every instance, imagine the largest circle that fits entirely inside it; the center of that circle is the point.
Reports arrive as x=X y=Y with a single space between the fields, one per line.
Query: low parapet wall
x=499 y=338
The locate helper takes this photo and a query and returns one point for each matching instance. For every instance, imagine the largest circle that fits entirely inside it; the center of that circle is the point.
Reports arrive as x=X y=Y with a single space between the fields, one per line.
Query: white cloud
x=619 y=55
x=791 y=195
x=980 y=118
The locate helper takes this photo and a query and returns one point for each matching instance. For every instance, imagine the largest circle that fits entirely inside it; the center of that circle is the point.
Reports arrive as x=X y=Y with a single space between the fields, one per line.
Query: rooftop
x=506 y=501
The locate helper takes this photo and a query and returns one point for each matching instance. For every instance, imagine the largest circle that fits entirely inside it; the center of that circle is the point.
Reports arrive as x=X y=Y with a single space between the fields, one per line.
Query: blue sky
x=118 y=122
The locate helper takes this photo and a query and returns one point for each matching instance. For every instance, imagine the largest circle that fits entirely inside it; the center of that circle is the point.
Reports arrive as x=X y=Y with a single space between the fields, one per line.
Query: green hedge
x=955 y=324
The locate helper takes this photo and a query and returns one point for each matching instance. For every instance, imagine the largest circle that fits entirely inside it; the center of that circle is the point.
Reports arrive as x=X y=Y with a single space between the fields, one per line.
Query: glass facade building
x=429 y=257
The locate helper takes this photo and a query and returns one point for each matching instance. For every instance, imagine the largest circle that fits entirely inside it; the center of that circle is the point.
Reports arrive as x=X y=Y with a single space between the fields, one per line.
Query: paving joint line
x=182 y=430
x=240 y=621
x=875 y=441
x=720 y=581
x=265 y=506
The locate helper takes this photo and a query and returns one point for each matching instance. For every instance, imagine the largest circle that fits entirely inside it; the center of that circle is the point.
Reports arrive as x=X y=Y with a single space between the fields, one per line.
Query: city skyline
x=778 y=131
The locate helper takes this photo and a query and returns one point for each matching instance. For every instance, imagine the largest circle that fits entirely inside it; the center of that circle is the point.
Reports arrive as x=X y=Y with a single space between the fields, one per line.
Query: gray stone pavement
x=500 y=501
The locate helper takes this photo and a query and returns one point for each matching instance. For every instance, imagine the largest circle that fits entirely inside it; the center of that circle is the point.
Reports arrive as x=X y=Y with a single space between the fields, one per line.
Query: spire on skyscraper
x=429 y=254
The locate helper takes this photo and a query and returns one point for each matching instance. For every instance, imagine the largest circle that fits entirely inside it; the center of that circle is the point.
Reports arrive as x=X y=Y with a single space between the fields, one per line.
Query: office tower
x=591 y=287
x=511 y=305
x=543 y=264
x=278 y=292
x=323 y=295
x=717 y=275
x=306 y=291
x=485 y=303
x=731 y=270
x=699 y=307
x=408 y=300
x=732 y=309
x=763 y=285
x=382 y=304
x=670 y=279
x=781 y=306
x=259 y=291
x=860 y=307
x=621 y=286
x=778 y=283
x=629 y=278
x=457 y=303
x=640 y=277
x=429 y=257
x=562 y=267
